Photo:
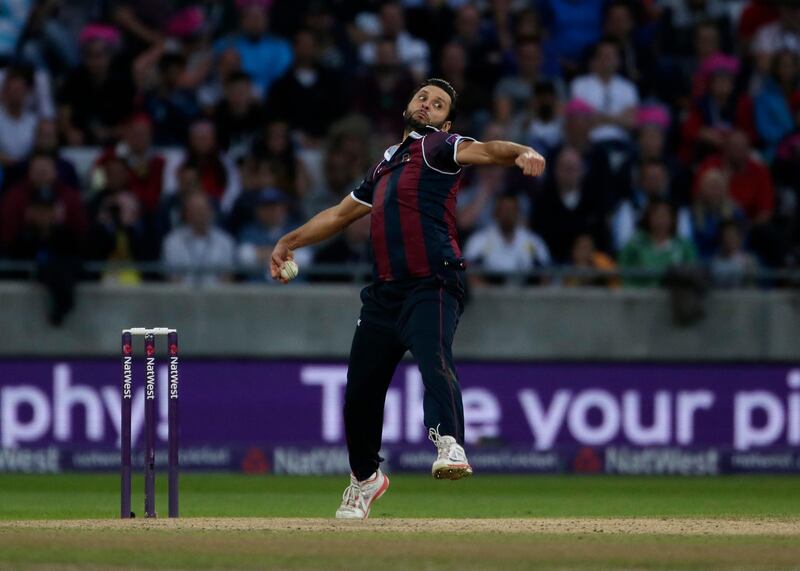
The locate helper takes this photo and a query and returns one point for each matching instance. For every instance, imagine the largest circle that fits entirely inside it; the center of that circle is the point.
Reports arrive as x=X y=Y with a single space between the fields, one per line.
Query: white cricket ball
x=289 y=270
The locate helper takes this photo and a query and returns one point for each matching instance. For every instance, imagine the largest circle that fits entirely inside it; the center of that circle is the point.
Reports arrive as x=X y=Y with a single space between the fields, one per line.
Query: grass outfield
x=554 y=523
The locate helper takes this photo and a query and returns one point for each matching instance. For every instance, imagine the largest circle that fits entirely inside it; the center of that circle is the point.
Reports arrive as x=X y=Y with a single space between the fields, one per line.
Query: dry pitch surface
x=548 y=526
x=395 y=544
x=66 y=522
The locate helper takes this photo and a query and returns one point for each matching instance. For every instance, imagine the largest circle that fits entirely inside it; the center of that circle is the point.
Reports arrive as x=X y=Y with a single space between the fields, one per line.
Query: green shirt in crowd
x=641 y=253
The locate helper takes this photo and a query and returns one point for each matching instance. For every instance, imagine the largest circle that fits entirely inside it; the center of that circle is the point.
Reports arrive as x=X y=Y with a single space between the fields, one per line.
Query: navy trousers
x=417 y=315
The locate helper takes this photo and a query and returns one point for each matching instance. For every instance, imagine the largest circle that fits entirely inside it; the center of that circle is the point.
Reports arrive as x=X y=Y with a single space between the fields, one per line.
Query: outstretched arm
x=504 y=153
x=319 y=228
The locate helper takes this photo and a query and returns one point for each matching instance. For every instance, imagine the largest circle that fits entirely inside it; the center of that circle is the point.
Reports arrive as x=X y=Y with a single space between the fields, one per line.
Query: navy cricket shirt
x=412 y=192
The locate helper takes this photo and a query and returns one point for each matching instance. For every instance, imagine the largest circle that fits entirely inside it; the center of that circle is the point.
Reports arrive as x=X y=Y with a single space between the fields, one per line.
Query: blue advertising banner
x=286 y=416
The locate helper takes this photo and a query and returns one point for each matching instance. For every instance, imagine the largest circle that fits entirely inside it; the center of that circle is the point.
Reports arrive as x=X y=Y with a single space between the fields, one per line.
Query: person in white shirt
x=197 y=245
x=780 y=35
x=411 y=51
x=506 y=246
x=17 y=122
x=614 y=98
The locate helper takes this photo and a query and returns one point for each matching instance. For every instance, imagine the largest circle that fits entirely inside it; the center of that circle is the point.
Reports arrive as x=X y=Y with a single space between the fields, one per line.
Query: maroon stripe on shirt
x=450 y=216
x=378 y=231
x=411 y=218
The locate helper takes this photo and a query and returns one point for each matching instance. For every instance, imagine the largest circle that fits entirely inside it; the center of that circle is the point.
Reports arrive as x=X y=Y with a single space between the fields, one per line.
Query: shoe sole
x=456 y=472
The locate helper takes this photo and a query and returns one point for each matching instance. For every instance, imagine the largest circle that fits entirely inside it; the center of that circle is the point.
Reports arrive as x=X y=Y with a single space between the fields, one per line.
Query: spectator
x=171 y=105
x=506 y=246
x=411 y=52
x=338 y=182
x=270 y=222
x=276 y=146
x=707 y=44
x=349 y=250
x=45 y=142
x=17 y=124
x=218 y=177
x=432 y=21
x=336 y=52
x=484 y=54
x=256 y=175
x=42 y=181
x=473 y=97
x=732 y=266
x=119 y=231
x=13 y=18
x=568 y=206
x=782 y=34
x=309 y=97
x=43 y=235
x=190 y=30
x=656 y=248
x=210 y=93
x=46 y=42
x=218 y=17
x=572 y=28
x=719 y=110
x=586 y=257
x=198 y=252
x=353 y=135
x=475 y=208
x=541 y=126
x=169 y=210
x=143 y=22
x=613 y=97
x=750 y=181
x=383 y=89
x=682 y=17
x=653 y=184
x=40 y=95
x=264 y=57
x=638 y=63
x=518 y=88
x=238 y=117
x=578 y=121
x=98 y=95
x=651 y=143
x=145 y=165
x=712 y=209
x=773 y=102
x=755 y=15
x=787 y=174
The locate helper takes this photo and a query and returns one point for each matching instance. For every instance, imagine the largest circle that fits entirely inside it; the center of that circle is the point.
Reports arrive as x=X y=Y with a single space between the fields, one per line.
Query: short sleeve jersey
x=412 y=192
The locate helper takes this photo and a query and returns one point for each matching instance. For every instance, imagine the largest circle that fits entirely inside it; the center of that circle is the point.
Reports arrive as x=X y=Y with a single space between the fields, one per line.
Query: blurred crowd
x=197 y=132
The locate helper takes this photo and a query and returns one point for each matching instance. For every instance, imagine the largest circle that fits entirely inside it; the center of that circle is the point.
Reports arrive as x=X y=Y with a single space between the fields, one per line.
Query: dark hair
x=652 y=206
x=46 y=155
x=731 y=223
x=237 y=76
x=171 y=59
x=527 y=39
x=633 y=8
x=22 y=72
x=544 y=87
x=606 y=41
x=653 y=163
x=444 y=86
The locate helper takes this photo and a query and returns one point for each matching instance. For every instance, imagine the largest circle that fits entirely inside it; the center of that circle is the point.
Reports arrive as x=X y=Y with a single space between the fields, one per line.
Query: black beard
x=416 y=125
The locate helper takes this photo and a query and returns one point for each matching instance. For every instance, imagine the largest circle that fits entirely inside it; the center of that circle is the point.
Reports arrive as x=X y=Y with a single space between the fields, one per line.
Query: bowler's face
x=430 y=106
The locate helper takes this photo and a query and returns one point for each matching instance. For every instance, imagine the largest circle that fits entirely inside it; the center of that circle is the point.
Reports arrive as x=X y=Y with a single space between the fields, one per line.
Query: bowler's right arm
x=320 y=227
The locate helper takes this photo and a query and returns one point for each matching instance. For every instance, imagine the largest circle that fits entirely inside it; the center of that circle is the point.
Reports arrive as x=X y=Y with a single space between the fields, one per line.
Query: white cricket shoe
x=451 y=463
x=358 y=497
